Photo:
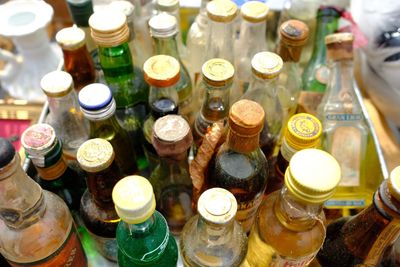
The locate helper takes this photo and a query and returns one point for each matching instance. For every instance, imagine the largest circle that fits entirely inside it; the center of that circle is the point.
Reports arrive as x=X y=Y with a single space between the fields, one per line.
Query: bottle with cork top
x=97 y=158
x=172 y=138
x=214 y=237
x=36 y=226
x=142 y=235
x=239 y=165
x=290 y=225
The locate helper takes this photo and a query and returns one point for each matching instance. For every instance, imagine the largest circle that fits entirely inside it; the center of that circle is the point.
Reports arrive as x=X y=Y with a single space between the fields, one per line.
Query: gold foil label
x=280 y=261
x=247 y=211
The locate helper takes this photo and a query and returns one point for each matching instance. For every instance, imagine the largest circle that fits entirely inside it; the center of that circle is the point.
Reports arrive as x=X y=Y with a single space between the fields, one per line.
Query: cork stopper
x=218 y=72
x=266 y=65
x=167 y=5
x=71 y=38
x=246 y=118
x=294 y=32
x=394 y=183
x=95 y=155
x=57 y=83
x=222 y=10
x=254 y=11
x=171 y=136
x=339 y=46
x=161 y=71
x=109 y=28
x=303 y=131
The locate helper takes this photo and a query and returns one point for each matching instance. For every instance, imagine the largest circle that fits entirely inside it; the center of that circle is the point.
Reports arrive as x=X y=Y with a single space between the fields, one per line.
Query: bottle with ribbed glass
x=239 y=165
x=214 y=237
x=143 y=236
x=111 y=33
x=290 y=225
x=162 y=74
x=217 y=81
x=171 y=181
x=302 y=131
x=98 y=106
x=77 y=60
x=345 y=132
x=163 y=29
x=263 y=89
x=36 y=226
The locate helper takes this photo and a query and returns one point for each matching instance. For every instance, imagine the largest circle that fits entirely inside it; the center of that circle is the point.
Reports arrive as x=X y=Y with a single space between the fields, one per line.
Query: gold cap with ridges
x=254 y=11
x=217 y=205
x=266 y=65
x=71 y=38
x=303 y=131
x=218 y=72
x=222 y=10
x=161 y=71
x=394 y=183
x=57 y=83
x=95 y=155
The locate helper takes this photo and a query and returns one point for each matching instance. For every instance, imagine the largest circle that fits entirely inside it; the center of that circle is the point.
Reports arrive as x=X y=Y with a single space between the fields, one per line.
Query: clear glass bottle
x=263 y=89
x=253 y=27
x=239 y=165
x=345 y=131
x=290 y=225
x=36 y=226
x=214 y=237
x=162 y=74
x=171 y=181
x=163 y=29
x=44 y=149
x=77 y=60
x=366 y=239
x=142 y=235
x=98 y=106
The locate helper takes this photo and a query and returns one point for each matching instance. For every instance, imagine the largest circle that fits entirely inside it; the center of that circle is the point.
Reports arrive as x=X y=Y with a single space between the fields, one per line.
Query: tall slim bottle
x=36 y=226
x=239 y=164
x=290 y=225
x=142 y=235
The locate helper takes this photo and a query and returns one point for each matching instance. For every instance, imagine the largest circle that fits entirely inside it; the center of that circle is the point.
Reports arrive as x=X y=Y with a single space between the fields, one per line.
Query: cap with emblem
x=266 y=65
x=218 y=72
x=222 y=10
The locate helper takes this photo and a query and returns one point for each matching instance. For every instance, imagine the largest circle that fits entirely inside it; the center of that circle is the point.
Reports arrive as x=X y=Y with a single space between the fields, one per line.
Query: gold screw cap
x=222 y=10
x=303 y=131
x=246 y=118
x=161 y=71
x=217 y=205
x=167 y=5
x=294 y=32
x=394 y=183
x=71 y=38
x=218 y=72
x=95 y=155
x=266 y=65
x=254 y=11
x=57 y=83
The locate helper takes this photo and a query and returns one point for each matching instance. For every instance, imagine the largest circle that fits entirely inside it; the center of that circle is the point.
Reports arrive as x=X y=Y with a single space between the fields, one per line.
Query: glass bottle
x=70 y=125
x=239 y=165
x=367 y=238
x=36 y=226
x=253 y=26
x=302 y=131
x=142 y=235
x=214 y=237
x=163 y=29
x=171 y=181
x=217 y=80
x=77 y=60
x=96 y=156
x=111 y=33
x=162 y=74
x=345 y=132
x=263 y=89
x=98 y=106
x=290 y=225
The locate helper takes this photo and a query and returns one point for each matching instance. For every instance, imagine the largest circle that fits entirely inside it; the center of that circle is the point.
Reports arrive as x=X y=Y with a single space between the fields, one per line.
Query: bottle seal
x=218 y=72
x=161 y=71
x=57 y=83
x=217 y=205
x=222 y=10
x=266 y=65
x=95 y=155
x=254 y=11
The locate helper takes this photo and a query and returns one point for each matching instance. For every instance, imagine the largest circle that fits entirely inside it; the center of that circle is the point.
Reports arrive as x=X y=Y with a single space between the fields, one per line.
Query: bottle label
x=53 y=172
x=287 y=151
x=280 y=261
x=322 y=74
x=246 y=212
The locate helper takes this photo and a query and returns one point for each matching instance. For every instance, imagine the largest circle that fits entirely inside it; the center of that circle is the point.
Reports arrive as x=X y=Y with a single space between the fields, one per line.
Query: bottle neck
x=241 y=143
x=163 y=101
x=220 y=41
x=59 y=106
x=216 y=103
x=256 y=33
x=289 y=53
x=175 y=162
x=166 y=46
x=325 y=25
x=144 y=227
x=269 y=86
x=214 y=234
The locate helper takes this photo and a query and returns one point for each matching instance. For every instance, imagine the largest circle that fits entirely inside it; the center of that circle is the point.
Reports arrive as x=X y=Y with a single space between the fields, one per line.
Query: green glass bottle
x=143 y=236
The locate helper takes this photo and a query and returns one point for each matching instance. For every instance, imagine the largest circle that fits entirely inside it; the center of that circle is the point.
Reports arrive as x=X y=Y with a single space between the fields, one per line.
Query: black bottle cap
x=80 y=11
x=7 y=152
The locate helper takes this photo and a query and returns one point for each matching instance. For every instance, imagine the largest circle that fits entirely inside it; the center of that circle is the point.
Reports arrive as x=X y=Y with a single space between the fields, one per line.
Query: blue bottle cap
x=94 y=96
x=7 y=152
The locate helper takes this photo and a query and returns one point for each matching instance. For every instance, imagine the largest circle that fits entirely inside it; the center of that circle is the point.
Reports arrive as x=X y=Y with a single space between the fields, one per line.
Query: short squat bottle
x=171 y=181
x=142 y=235
x=96 y=157
x=290 y=225
x=239 y=165
x=36 y=226
x=214 y=237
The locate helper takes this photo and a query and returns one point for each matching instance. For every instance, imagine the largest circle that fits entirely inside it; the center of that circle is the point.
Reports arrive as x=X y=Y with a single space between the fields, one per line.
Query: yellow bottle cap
x=254 y=11
x=312 y=175
x=394 y=183
x=303 y=131
x=222 y=10
x=218 y=72
x=95 y=155
x=167 y=5
x=266 y=65
x=57 y=83
x=161 y=71
x=70 y=38
x=217 y=205
x=134 y=199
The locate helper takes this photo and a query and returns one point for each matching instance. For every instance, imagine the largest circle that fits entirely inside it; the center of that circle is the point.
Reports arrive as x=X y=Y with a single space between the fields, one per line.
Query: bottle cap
x=217 y=72
x=217 y=205
x=134 y=199
x=294 y=32
x=80 y=11
x=96 y=101
x=38 y=139
x=57 y=83
x=254 y=11
x=339 y=38
x=339 y=46
x=95 y=155
x=246 y=118
x=394 y=183
x=163 y=25
x=71 y=38
x=303 y=131
x=171 y=135
x=167 y=5
x=125 y=7
x=312 y=175
x=7 y=152
x=266 y=65
x=161 y=71
x=221 y=10
x=109 y=27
